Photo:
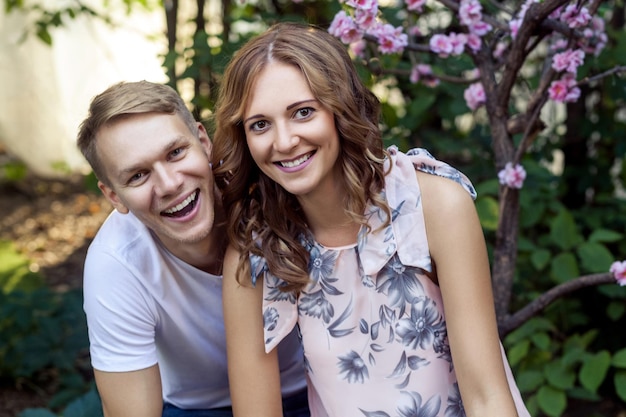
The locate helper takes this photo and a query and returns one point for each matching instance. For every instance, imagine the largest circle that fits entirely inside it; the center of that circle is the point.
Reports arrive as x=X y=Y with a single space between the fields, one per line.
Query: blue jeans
x=296 y=405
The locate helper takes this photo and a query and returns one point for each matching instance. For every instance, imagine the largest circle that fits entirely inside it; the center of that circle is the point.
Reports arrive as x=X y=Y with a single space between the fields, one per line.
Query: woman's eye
x=258 y=126
x=304 y=112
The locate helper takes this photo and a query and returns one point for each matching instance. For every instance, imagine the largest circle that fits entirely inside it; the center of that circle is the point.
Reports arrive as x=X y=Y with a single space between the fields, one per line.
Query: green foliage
x=86 y=405
x=13 y=170
x=41 y=329
x=14 y=272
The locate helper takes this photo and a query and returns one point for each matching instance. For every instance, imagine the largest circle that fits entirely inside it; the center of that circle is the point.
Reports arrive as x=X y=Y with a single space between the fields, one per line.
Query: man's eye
x=177 y=152
x=136 y=178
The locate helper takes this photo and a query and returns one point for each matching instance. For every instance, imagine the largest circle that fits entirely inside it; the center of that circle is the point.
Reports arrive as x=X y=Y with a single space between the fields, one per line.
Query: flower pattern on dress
x=371 y=322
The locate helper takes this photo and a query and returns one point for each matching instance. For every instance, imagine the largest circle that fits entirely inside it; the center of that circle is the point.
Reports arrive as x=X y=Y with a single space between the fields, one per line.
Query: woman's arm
x=254 y=376
x=459 y=253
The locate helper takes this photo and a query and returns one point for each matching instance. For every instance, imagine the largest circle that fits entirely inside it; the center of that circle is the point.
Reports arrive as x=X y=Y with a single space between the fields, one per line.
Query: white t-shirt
x=145 y=306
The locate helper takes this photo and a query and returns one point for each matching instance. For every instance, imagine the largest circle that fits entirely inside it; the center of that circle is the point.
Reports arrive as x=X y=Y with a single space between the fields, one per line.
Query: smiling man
x=152 y=279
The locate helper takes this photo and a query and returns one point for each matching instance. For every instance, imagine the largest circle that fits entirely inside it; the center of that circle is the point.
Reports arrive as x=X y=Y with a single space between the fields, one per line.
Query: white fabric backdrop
x=45 y=91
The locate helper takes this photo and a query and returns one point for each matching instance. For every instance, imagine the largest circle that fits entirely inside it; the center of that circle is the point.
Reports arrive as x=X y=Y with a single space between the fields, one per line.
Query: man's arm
x=130 y=394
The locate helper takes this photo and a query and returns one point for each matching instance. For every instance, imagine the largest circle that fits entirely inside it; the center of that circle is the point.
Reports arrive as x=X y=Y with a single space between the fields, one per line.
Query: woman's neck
x=326 y=217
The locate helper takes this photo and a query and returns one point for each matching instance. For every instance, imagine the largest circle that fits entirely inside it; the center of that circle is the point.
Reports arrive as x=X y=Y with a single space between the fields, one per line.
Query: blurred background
x=569 y=358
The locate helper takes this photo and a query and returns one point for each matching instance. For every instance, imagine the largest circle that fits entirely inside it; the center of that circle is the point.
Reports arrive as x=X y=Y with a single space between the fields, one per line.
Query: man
x=152 y=284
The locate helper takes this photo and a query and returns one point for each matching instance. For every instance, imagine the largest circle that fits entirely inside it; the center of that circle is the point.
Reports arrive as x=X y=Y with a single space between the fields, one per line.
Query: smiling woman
x=358 y=246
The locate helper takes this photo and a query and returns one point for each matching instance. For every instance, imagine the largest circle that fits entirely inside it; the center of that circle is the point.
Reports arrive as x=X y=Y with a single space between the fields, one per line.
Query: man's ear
x=112 y=197
x=203 y=136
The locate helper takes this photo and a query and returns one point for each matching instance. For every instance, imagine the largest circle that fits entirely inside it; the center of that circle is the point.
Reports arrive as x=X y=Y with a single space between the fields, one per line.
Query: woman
x=359 y=246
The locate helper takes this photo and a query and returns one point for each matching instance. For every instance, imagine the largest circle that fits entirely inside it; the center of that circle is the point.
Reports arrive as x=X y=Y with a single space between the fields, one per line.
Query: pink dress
x=372 y=323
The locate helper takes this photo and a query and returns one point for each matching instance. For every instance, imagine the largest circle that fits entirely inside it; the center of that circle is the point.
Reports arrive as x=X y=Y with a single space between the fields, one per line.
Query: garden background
x=553 y=233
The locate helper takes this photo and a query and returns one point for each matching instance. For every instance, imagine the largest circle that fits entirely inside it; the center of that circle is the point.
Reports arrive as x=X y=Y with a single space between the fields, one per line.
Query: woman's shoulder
x=430 y=169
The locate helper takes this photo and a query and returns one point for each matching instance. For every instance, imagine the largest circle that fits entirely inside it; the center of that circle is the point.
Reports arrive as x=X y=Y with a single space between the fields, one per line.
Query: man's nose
x=167 y=179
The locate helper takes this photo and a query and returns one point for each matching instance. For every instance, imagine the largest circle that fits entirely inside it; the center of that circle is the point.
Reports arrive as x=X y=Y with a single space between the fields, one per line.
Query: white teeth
x=182 y=205
x=296 y=162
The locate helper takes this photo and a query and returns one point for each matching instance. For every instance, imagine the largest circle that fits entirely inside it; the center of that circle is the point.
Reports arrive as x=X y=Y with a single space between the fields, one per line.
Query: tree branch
x=511 y=322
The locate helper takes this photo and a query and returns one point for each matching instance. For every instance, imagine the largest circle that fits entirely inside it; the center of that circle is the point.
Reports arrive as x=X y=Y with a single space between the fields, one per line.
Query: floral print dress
x=372 y=323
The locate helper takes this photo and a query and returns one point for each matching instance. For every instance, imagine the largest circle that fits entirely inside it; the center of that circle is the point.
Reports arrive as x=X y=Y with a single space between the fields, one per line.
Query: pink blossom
x=564 y=90
x=568 y=60
x=415 y=5
x=458 y=41
x=441 y=44
x=556 y=13
x=415 y=31
x=423 y=73
x=574 y=17
x=470 y=12
x=618 y=269
x=345 y=28
x=474 y=42
x=598 y=24
x=366 y=18
x=480 y=28
x=474 y=96
x=558 y=45
x=512 y=177
x=499 y=49
x=391 y=39
x=514 y=26
x=358 y=48
x=363 y=4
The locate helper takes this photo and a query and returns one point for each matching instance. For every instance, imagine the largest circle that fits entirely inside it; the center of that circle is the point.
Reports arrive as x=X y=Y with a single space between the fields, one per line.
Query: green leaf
x=540 y=258
x=564 y=267
x=487 y=208
x=619 y=359
x=595 y=257
x=615 y=310
x=552 y=401
x=620 y=384
x=603 y=235
x=541 y=340
x=559 y=376
x=594 y=370
x=528 y=381
x=563 y=231
x=518 y=351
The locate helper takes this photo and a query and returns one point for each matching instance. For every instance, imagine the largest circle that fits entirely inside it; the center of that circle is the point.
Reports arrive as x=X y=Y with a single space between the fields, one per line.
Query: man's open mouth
x=184 y=207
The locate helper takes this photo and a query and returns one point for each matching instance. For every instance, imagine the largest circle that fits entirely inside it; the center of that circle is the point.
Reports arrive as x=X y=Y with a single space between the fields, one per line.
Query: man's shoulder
x=121 y=233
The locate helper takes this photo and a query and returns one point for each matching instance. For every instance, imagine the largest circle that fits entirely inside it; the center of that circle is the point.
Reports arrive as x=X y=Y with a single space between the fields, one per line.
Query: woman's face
x=291 y=136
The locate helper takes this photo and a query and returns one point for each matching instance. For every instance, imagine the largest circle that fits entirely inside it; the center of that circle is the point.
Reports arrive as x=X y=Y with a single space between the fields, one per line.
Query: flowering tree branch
x=499 y=51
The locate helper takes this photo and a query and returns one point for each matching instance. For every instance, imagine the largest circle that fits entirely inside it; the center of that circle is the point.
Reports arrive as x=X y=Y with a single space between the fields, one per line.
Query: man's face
x=160 y=171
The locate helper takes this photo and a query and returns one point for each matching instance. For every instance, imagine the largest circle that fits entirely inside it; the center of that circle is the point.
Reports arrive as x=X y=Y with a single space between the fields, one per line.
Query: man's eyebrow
x=289 y=107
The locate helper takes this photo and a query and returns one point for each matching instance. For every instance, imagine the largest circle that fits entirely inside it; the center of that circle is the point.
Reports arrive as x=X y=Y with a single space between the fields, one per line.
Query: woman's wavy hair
x=263 y=218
